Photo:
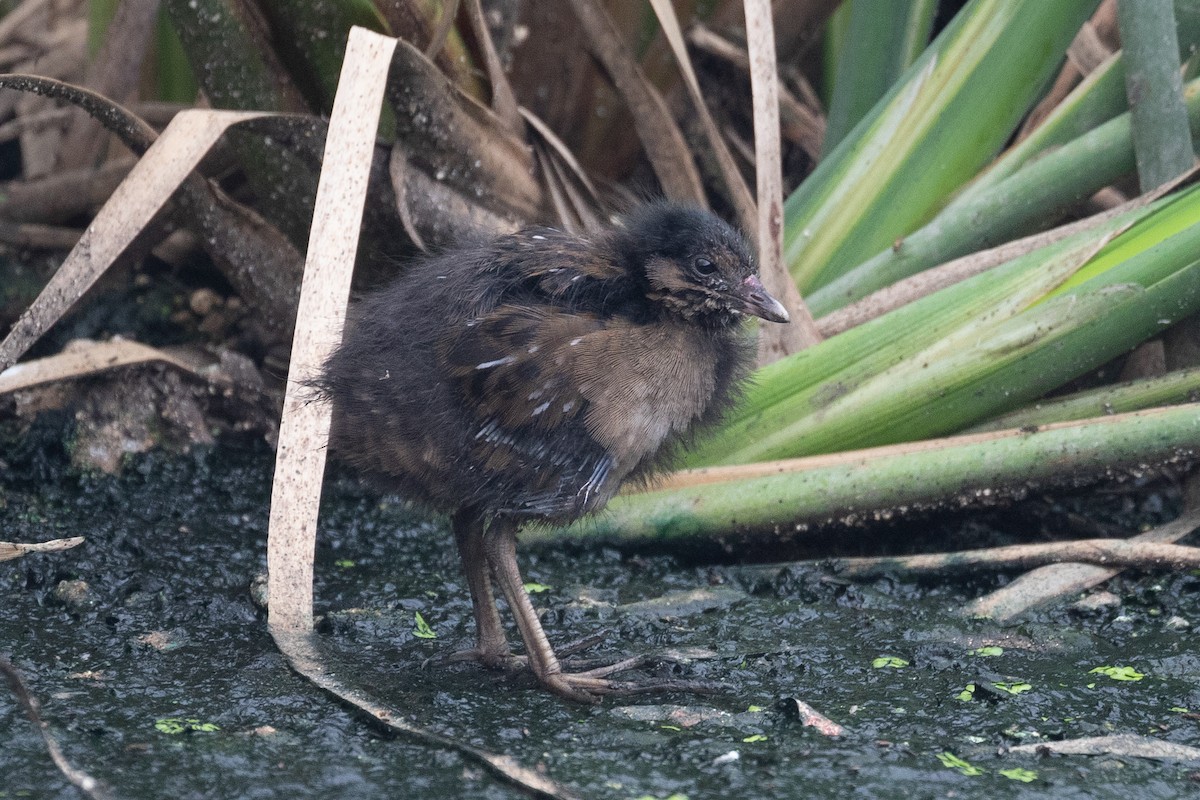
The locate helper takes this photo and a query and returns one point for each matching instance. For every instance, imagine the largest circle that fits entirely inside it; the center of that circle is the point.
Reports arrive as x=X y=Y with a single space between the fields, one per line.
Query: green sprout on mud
x=173 y=726
x=1118 y=673
x=758 y=737
x=344 y=563
x=533 y=587
x=1020 y=774
x=1015 y=687
x=990 y=650
x=954 y=762
x=884 y=662
x=423 y=631
x=967 y=694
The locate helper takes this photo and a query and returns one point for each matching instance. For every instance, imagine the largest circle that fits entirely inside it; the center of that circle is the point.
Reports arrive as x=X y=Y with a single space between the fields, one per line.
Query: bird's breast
x=645 y=384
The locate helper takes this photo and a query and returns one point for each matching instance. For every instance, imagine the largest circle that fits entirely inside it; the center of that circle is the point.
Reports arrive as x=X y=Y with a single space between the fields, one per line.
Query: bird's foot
x=590 y=685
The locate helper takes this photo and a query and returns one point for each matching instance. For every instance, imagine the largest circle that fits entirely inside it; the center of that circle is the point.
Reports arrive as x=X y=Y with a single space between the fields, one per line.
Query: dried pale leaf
x=504 y=102
x=660 y=136
x=151 y=182
x=739 y=192
x=460 y=141
x=114 y=72
x=82 y=358
x=774 y=341
x=11 y=550
x=325 y=293
x=256 y=258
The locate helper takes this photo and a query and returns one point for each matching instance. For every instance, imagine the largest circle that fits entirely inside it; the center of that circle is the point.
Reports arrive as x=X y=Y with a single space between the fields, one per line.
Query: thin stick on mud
x=1113 y=553
x=85 y=782
x=1049 y=584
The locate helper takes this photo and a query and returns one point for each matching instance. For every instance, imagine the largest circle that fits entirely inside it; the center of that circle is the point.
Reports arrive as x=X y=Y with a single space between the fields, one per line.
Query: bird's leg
x=491 y=646
x=500 y=545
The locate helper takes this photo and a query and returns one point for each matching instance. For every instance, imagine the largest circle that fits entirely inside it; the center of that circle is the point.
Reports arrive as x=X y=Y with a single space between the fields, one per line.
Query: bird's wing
x=512 y=370
x=513 y=366
x=543 y=266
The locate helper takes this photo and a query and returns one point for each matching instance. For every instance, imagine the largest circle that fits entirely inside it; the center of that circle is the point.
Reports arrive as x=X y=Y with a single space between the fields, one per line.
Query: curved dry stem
x=85 y=782
x=660 y=136
x=303 y=653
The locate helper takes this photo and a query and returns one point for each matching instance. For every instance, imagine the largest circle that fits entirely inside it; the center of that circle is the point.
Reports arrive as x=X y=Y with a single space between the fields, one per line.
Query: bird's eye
x=704 y=266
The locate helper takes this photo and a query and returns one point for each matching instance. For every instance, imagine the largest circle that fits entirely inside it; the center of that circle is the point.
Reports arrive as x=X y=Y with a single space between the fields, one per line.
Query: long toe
x=589 y=687
x=500 y=661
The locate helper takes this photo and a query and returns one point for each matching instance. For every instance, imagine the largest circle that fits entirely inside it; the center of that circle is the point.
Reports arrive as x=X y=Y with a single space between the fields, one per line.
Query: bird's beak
x=756 y=301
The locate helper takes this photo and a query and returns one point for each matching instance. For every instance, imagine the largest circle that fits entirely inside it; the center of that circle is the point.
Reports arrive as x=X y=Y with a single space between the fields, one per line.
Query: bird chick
x=528 y=377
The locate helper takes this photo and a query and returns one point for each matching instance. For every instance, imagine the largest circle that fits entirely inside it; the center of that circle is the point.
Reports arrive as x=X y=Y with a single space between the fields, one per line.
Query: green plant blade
x=1054 y=322
x=931 y=133
x=872 y=484
x=883 y=39
x=1017 y=205
x=1179 y=386
x=1098 y=98
x=806 y=382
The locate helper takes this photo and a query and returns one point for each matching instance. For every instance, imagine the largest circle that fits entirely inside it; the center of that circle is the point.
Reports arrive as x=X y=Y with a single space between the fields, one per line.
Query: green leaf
x=344 y=563
x=1014 y=687
x=884 y=662
x=422 y=630
x=967 y=694
x=1118 y=673
x=809 y=490
x=946 y=118
x=1020 y=774
x=173 y=726
x=882 y=39
x=536 y=588
x=954 y=762
x=758 y=737
x=988 y=651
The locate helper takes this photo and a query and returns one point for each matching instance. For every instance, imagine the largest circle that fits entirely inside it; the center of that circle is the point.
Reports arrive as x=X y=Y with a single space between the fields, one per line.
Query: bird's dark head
x=695 y=265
